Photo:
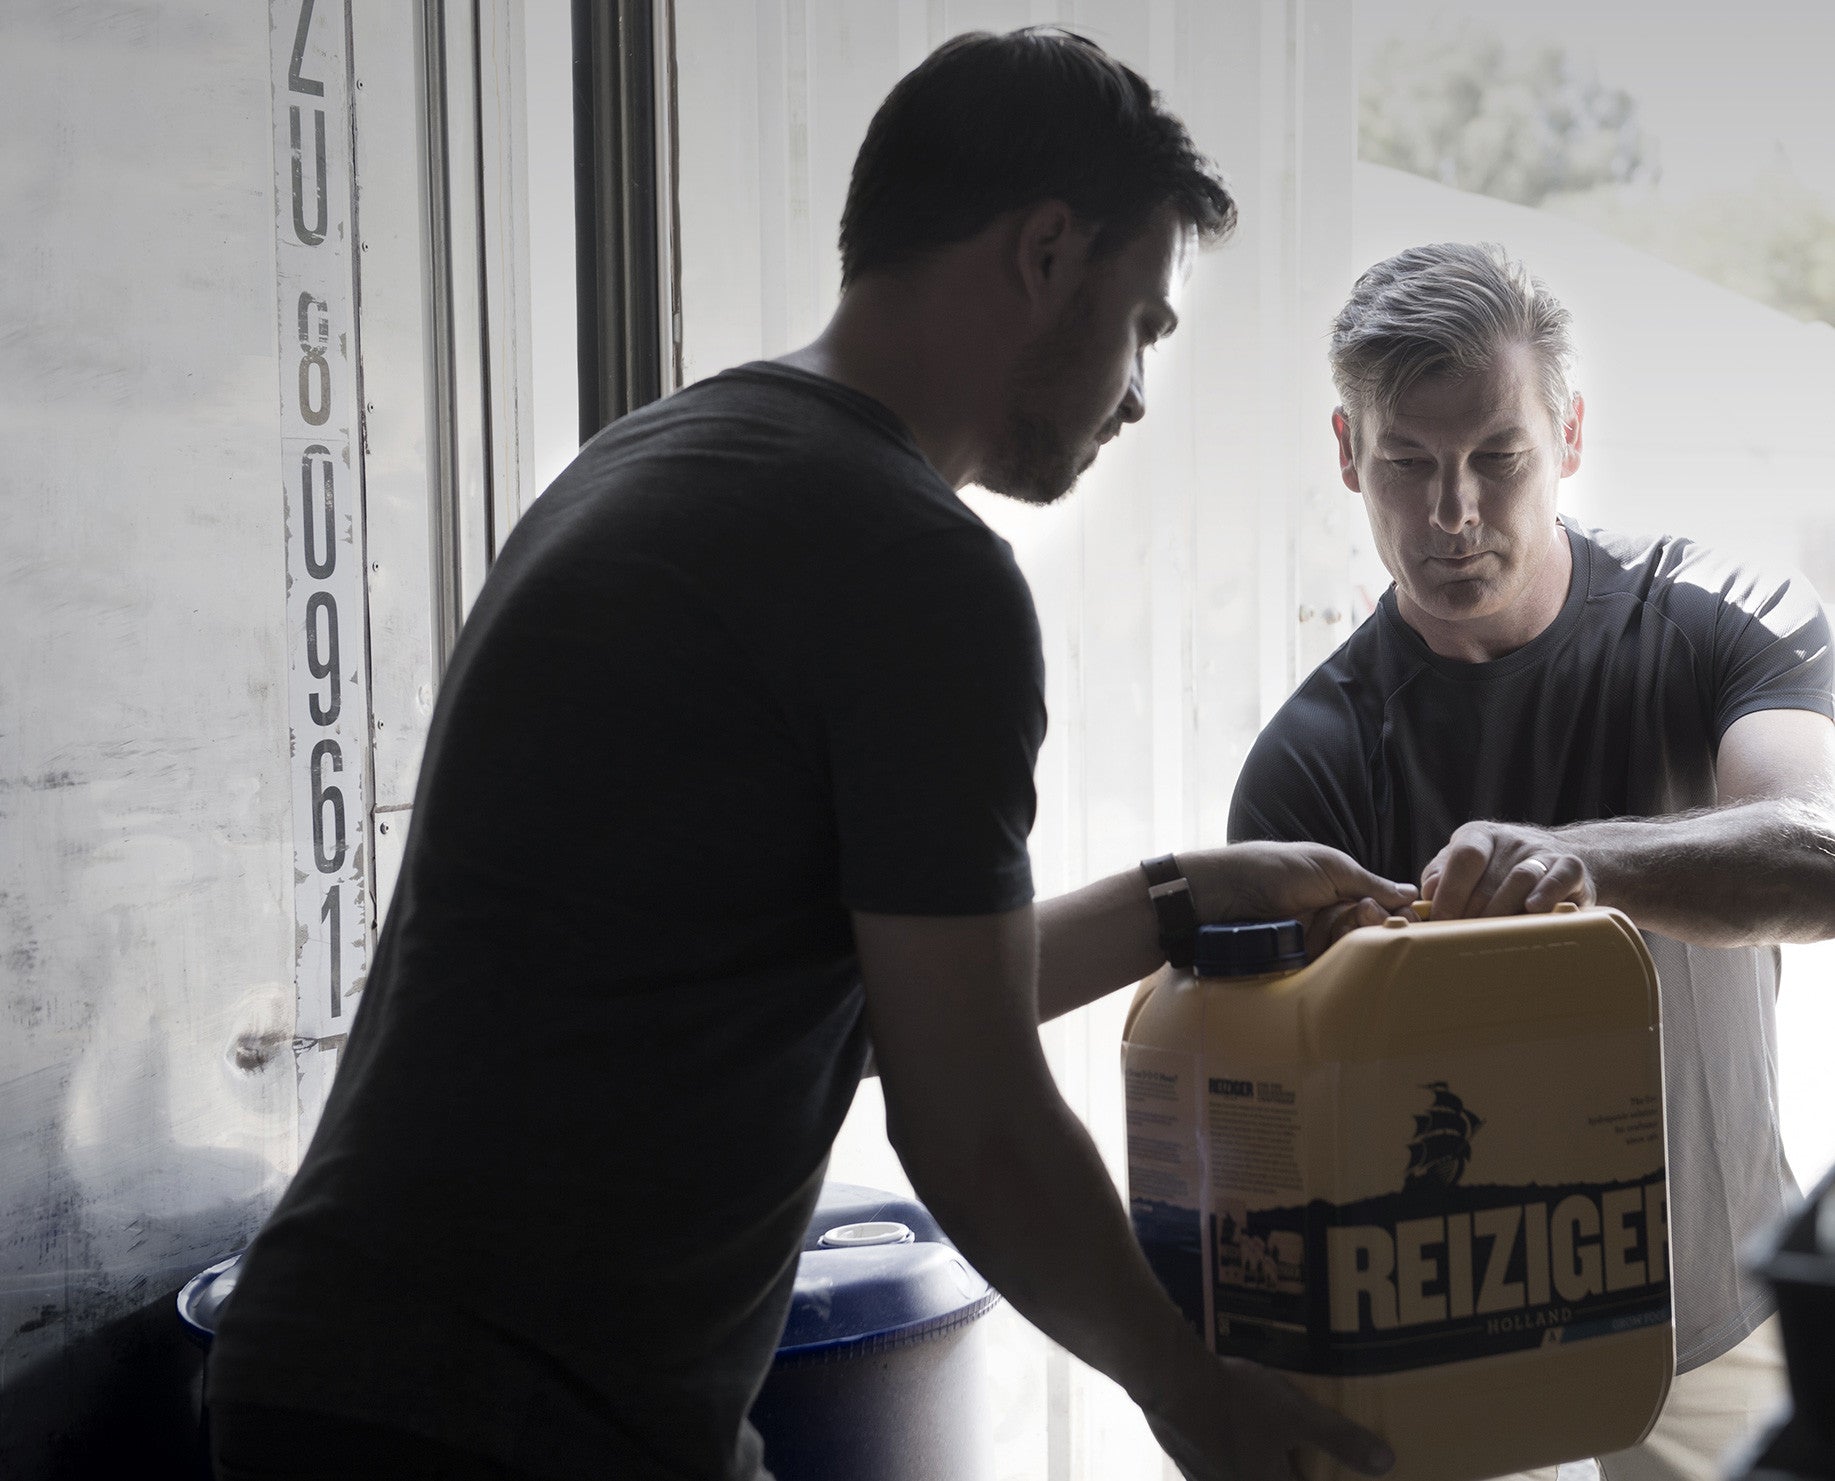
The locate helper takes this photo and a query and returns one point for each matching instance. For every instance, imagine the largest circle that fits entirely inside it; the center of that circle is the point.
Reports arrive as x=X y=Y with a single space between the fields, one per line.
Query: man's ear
x=1347 y=460
x=1570 y=437
x=1051 y=256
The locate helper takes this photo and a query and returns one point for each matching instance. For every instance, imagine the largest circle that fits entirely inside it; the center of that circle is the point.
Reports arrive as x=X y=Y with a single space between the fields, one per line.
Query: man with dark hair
x=1539 y=712
x=991 y=123
x=731 y=775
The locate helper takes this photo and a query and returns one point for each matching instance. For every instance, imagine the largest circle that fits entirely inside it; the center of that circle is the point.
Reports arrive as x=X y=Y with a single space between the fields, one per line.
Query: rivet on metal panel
x=382 y=827
x=1306 y=614
x=1331 y=614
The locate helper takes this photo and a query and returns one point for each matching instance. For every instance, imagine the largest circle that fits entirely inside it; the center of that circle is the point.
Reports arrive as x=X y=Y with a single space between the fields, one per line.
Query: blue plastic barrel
x=881 y=1371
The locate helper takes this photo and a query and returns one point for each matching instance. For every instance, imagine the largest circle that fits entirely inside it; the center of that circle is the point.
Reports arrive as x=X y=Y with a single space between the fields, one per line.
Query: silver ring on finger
x=1537 y=865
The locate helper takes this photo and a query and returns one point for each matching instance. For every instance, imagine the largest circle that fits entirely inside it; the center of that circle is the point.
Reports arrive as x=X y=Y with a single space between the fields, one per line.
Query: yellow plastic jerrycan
x=1424 y=1176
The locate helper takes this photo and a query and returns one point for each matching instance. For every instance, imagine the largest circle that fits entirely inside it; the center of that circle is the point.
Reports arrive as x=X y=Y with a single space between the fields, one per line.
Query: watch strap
x=1170 y=892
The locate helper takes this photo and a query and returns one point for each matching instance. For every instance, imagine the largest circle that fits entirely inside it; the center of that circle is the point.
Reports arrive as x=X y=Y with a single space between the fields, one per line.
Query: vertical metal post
x=619 y=199
x=462 y=532
x=669 y=213
x=442 y=453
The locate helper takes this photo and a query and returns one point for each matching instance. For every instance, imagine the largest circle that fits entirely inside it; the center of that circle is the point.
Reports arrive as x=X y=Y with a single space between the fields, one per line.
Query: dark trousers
x=251 y=1442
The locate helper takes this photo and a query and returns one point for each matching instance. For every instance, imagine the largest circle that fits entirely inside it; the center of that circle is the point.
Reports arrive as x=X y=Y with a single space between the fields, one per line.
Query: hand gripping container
x=1424 y=1176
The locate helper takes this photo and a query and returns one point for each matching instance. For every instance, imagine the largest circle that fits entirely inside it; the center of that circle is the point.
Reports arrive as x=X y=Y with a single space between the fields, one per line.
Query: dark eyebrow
x=1389 y=437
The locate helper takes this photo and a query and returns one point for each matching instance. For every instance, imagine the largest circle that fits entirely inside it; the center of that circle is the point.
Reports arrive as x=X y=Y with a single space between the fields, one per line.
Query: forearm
x=1023 y=1192
x=1095 y=940
x=1012 y=1175
x=1752 y=873
x=1106 y=936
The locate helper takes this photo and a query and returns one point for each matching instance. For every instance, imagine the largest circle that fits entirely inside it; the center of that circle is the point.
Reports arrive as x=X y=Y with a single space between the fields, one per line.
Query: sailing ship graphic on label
x=1442 y=1142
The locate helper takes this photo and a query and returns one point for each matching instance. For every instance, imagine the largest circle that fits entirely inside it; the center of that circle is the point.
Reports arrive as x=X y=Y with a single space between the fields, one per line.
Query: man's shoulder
x=757 y=420
x=1305 y=777
x=1638 y=562
x=1320 y=737
x=1657 y=564
x=761 y=465
x=1347 y=692
x=1692 y=584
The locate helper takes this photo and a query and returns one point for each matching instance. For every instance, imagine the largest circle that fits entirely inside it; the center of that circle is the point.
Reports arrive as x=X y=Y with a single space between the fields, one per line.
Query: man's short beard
x=1034 y=461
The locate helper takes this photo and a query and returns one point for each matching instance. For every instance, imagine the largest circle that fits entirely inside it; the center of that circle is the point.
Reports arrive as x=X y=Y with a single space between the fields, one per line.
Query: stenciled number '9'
x=322 y=657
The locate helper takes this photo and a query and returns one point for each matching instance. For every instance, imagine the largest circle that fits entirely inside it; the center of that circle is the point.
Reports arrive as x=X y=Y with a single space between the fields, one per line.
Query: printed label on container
x=1481 y=1202
x=1255 y=1119
x=1166 y=1171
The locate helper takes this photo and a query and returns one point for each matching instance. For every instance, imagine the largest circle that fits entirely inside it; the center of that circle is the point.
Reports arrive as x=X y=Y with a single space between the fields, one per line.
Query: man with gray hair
x=1539 y=712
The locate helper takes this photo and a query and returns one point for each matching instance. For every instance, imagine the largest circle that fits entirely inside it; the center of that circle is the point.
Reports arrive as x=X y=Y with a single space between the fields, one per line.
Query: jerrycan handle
x=1424 y=909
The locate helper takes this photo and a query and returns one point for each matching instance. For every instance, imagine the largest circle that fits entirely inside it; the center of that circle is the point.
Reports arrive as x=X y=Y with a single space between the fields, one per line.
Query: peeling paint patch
x=251 y=1051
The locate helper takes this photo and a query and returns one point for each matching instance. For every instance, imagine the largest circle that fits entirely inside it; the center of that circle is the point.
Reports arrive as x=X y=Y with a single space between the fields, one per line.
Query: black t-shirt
x=1617 y=709
x=747 y=664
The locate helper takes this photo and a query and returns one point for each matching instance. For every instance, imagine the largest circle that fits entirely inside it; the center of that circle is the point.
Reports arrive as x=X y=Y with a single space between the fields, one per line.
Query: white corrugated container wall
x=257 y=452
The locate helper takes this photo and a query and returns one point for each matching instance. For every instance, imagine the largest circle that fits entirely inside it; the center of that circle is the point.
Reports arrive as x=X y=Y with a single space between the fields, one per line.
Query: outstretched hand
x=1246 y=1423
x=1328 y=892
x=1504 y=869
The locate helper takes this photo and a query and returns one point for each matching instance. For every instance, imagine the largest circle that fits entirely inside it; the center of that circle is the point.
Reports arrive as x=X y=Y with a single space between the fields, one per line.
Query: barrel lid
x=873 y=1231
x=1248 y=948
x=876 y=1271
x=840 y=1205
x=202 y=1297
x=871 y=1296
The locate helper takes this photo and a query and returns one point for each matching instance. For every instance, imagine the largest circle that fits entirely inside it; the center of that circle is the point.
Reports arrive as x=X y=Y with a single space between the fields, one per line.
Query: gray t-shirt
x=1615 y=710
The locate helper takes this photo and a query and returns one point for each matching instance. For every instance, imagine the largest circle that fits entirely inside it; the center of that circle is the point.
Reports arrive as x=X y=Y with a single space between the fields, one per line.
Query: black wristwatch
x=1170 y=892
